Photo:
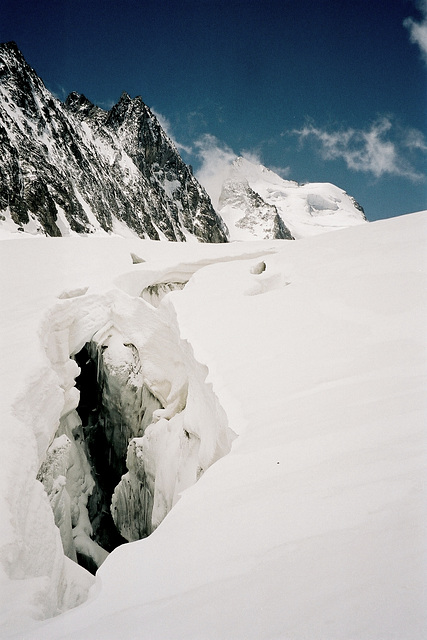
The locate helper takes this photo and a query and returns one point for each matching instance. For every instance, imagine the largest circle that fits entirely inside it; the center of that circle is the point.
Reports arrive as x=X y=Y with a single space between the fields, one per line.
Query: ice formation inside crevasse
x=139 y=425
x=115 y=406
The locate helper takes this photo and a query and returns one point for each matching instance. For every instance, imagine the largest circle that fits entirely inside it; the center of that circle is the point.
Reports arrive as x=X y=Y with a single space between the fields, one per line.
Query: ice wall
x=139 y=424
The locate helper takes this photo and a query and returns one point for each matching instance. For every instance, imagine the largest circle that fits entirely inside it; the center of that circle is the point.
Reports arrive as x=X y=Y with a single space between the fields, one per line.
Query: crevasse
x=139 y=423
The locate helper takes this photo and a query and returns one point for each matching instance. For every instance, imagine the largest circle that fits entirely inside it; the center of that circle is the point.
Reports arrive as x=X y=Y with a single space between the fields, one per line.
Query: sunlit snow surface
x=314 y=525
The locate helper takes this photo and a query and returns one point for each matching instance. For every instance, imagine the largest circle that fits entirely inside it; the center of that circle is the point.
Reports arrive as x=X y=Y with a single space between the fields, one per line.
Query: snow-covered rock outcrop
x=249 y=215
x=75 y=168
x=256 y=203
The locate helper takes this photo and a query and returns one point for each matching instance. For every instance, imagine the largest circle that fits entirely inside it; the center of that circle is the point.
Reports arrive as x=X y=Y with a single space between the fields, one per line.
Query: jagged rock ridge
x=73 y=167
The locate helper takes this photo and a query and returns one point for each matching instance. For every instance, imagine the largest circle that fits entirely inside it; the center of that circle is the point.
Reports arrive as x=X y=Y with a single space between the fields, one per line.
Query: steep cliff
x=74 y=167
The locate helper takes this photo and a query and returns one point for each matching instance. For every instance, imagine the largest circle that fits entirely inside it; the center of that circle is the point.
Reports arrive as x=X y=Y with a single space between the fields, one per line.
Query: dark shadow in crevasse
x=107 y=465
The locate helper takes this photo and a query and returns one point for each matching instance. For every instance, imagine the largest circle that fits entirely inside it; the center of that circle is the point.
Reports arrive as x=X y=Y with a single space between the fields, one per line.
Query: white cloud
x=418 y=30
x=216 y=160
x=255 y=158
x=58 y=91
x=283 y=172
x=414 y=139
x=106 y=105
x=167 y=128
x=369 y=151
x=252 y=156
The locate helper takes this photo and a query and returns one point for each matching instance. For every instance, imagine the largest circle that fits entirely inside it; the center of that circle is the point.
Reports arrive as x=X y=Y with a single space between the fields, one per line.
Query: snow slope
x=313 y=526
x=253 y=199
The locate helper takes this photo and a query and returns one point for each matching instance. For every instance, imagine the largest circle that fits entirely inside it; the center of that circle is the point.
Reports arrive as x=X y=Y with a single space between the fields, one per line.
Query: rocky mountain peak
x=74 y=168
x=126 y=109
x=11 y=54
x=18 y=81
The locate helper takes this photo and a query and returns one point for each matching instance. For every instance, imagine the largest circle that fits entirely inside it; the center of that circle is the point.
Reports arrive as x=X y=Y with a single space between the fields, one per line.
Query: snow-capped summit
x=75 y=168
x=257 y=203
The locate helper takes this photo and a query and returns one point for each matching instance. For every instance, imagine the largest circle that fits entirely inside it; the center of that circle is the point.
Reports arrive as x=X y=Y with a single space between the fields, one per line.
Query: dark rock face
x=74 y=166
x=281 y=231
x=358 y=207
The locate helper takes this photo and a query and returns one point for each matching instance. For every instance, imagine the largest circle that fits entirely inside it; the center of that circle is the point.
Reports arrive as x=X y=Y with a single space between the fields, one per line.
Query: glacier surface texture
x=249 y=416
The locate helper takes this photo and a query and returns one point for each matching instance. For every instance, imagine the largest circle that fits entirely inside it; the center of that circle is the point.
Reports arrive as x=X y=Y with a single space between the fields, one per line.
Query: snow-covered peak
x=242 y=167
x=304 y=209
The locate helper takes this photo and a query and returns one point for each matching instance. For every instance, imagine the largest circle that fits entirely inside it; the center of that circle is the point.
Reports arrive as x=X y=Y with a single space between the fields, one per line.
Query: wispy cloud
x=379 y=150
x=252 y=156
x=216 y=160
x=418 y=30
x=167 y=128
x=58 y=91
x=283 y=172
x=256 y=158
x=106 y=104
x=414 y=139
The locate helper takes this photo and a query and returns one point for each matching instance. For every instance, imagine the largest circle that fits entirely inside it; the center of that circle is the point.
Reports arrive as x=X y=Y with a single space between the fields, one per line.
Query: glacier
x=273 y=397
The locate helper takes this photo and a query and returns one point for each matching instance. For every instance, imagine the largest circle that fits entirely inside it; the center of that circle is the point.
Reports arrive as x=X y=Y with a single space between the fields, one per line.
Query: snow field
x=43 y=324
x=313 y=525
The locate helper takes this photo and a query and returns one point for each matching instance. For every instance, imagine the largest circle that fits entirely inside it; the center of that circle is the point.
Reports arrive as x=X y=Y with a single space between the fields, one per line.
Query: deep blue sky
x=322 y=90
